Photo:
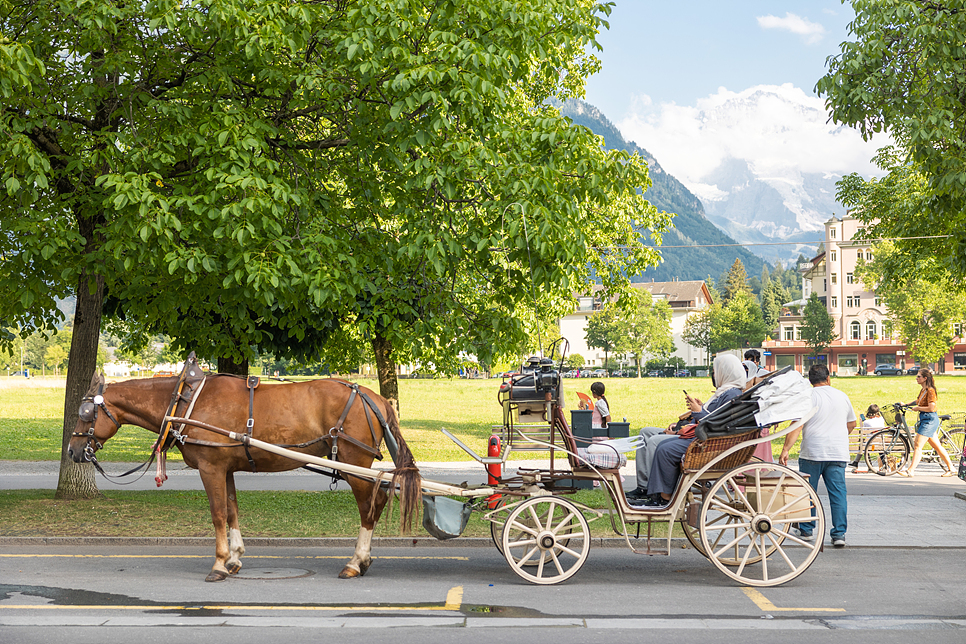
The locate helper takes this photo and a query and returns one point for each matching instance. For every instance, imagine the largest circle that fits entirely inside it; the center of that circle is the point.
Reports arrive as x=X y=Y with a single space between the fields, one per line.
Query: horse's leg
x=214 y=481
x=236 y=547
x=361 y=558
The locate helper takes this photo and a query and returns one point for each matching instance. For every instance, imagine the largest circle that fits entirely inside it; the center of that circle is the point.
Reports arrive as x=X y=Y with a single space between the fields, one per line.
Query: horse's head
x=93 y=428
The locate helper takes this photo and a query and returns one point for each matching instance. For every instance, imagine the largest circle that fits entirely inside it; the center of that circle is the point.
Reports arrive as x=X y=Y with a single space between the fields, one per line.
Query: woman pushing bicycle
x=927 y=426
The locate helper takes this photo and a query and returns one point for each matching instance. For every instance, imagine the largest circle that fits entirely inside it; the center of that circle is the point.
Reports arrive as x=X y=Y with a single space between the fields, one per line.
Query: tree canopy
x=307 y=178
x=903 y=74
x=818 y=327
x=923 y=309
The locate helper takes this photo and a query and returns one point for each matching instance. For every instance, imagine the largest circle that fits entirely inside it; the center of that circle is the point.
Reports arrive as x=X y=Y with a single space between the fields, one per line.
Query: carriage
x=736 y=511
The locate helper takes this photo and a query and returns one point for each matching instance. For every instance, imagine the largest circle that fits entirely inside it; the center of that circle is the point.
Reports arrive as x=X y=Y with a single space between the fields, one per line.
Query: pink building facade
x=862 y=342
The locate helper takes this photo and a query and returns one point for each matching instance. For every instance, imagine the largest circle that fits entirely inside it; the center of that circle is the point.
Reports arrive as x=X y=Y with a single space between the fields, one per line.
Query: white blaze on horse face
x=236 y=547
x=363 y=550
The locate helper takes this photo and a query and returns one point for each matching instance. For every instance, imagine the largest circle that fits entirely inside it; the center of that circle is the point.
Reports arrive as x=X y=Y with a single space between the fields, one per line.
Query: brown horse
x=290 y=414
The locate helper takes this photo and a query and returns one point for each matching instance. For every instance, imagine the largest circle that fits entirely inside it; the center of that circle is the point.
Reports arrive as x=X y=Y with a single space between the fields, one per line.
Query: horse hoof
x=349 y=573
x=233 y=568
x=217 y=575
x=364 y=567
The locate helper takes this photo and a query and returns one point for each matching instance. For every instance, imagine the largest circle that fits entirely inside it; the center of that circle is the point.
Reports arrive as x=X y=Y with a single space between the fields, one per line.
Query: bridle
x=88 y=414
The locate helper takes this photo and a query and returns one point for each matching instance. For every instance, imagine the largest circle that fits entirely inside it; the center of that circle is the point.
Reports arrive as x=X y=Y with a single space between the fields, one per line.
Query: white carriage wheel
x=729 y=524
x=747 y=518
x=496 y=532
x=549 y=532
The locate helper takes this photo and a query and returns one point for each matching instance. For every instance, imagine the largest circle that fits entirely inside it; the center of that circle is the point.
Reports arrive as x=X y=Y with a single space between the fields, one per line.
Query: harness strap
x=250 y=425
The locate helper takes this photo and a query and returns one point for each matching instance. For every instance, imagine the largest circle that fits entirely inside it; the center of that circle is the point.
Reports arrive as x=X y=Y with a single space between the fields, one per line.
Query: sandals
x=905 y=473
x=947 y=473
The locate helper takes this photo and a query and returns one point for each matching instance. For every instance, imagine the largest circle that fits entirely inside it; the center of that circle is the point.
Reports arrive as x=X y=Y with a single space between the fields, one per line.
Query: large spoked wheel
x=747 y=518
x=727 y=527
x=496 y=532
x=546 y=540
x=886 y=452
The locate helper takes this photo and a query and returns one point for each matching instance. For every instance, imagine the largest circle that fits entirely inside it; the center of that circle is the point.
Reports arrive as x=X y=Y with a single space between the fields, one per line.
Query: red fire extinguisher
x=494 y=470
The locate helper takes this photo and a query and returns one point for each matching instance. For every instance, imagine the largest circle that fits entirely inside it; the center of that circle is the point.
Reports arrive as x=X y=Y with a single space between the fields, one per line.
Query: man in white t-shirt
x=825 y=450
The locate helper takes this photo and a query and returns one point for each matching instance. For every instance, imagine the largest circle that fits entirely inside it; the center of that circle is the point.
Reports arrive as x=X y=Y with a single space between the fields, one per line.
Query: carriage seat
x=605 y=459
x=700 y=453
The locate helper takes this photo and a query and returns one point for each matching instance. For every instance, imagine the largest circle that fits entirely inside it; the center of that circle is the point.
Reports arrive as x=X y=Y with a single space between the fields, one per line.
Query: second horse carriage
x=737 y=512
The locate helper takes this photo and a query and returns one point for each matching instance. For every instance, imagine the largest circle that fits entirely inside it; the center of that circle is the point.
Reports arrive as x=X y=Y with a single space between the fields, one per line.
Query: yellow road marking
x=762 y=602
x=83 y=556
x=454 y=599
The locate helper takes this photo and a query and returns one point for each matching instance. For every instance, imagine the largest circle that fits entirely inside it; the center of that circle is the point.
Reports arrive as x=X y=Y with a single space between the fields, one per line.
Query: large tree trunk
x=77 y=479
x=228 y=365
x=386 y=370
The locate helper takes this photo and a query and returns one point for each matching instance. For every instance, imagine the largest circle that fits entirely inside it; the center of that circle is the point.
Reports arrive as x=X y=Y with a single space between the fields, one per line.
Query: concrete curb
x=317 y=542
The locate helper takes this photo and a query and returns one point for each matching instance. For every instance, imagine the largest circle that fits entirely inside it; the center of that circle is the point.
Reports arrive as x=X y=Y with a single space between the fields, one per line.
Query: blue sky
x=679 y=52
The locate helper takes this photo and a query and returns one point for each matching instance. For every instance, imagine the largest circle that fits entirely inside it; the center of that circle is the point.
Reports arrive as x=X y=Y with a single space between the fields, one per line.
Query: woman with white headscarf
x=728 y=376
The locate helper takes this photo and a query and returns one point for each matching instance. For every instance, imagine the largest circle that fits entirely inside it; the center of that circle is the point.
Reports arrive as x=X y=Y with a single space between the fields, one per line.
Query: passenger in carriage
x=728 y=376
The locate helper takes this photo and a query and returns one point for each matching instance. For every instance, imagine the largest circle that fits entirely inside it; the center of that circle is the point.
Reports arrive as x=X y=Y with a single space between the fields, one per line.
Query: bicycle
x=887 y=450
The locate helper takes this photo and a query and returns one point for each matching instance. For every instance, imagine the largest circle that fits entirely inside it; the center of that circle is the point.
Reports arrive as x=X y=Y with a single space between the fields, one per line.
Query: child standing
x=601 y=415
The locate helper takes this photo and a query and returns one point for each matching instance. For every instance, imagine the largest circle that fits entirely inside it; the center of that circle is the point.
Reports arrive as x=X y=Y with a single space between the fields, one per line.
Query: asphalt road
x=85 y=594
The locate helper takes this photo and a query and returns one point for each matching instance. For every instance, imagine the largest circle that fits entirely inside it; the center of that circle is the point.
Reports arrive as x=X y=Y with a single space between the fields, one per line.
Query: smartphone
x=685 y=393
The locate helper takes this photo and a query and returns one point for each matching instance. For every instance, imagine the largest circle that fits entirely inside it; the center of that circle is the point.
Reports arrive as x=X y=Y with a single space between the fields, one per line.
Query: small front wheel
x=886 y=452
x=546 y=540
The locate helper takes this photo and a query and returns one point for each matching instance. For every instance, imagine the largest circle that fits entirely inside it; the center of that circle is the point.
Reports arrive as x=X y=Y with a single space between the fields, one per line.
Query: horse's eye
x=86 y=412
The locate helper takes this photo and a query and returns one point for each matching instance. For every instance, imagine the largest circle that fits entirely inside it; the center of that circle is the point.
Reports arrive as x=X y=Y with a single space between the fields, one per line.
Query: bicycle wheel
x=952 y=442
x=886 y=452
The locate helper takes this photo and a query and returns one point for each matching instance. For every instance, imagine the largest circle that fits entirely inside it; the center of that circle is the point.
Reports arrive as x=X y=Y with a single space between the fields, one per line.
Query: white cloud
x=777 y=130
x=811 y=32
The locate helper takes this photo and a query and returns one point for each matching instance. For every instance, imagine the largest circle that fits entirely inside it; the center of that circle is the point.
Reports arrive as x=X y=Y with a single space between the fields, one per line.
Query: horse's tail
x=405 y=476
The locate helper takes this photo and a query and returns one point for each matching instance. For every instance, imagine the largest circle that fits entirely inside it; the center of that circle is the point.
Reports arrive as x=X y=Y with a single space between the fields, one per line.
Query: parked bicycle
x=887 y=450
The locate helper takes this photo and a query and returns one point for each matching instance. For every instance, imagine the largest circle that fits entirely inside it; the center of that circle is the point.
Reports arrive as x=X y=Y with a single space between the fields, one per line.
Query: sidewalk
x=927 y=511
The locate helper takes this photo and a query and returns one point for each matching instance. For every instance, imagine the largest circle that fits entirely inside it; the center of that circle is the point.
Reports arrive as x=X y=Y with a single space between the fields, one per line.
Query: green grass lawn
x=31 y=417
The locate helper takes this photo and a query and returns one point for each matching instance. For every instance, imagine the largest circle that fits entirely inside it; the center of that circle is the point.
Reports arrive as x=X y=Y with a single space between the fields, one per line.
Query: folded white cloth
x=785 y=397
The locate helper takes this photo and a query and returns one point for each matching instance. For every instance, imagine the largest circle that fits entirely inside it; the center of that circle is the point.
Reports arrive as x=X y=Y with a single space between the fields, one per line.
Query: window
x=798 y=333
x=849 y=302
x=831 y=233
x=885 y=358
x=850 y=278
x=835 y=302
x=835 y=278
x=789 y=332
x=825 y=285
x=959 y=361
x=832 y=255
x=868 y=255
x=870 y=330
x=958 y=329
x=855 y=330
x=878 y=301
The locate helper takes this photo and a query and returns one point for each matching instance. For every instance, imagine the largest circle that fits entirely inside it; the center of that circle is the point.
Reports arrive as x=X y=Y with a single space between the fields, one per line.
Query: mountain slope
x=691 y=225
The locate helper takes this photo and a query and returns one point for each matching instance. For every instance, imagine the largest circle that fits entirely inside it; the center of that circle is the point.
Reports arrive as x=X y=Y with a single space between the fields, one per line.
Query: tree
x=924 y=307
x=305 y=180
x=646 y=328
x=575 y=361
x=736 y=281
x=739 y=324
x=818 y=327
x=902 y=74
x=773 y=295
x=697 y=328
x=604 y=329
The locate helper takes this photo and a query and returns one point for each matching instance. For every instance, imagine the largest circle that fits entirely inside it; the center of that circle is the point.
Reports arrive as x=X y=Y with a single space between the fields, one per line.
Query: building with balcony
x=862 y=340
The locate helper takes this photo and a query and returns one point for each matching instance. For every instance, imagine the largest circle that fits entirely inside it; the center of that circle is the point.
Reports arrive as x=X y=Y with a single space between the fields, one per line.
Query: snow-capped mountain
x=764 y=162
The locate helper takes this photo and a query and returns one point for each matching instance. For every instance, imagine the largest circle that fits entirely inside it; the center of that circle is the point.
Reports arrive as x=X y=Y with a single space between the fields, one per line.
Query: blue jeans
x=833 y=473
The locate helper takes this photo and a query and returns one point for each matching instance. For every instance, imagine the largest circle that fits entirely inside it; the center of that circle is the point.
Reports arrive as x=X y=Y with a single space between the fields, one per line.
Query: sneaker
x=637 y=494
x=838 y=542
x=804 y=536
